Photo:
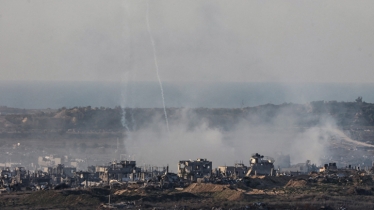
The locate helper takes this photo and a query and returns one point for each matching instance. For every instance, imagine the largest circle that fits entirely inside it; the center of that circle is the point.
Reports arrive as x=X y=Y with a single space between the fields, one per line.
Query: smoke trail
x=123 y=102
x=156 y=64
x=125 y=77
x=123 y=120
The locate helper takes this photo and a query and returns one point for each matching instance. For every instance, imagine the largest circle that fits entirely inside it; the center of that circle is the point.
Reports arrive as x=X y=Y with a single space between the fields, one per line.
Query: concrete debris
x=126 y=175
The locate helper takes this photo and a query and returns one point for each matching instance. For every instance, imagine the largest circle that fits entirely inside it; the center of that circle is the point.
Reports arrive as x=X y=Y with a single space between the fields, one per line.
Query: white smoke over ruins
x=191 y=138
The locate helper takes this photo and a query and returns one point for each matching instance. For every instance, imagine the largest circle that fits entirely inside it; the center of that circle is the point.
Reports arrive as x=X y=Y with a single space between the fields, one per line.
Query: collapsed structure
x=127 y=172
x=193 y=170
x=122 y=171
x=331 y=167
x=299 y=168
x=239 y=170
x=260 y=165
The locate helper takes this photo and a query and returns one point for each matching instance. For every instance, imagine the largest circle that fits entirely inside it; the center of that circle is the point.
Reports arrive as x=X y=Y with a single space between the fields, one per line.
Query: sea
x=54 y=95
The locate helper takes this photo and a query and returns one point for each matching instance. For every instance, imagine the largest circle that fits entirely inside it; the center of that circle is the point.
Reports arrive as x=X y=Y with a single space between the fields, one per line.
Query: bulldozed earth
x=313 y=191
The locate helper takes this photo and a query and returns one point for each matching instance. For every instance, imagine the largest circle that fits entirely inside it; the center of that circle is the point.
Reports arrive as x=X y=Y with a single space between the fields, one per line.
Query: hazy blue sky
x=201 y=40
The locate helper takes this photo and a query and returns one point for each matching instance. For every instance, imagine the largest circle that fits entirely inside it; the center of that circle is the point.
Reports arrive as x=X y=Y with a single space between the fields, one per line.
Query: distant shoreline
x=54 y=95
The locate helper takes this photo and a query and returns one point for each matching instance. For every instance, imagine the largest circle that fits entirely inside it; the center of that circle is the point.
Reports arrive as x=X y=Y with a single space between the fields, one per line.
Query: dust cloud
x=192 y=137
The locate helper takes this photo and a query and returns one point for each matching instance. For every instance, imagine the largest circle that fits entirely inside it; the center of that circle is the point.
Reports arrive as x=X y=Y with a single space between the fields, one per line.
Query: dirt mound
x=218 y=191
x=297 y=183
x=268 y=182
x=202 y=187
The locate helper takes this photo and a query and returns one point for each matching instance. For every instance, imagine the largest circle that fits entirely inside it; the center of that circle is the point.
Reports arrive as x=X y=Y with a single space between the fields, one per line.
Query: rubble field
x=314 y=191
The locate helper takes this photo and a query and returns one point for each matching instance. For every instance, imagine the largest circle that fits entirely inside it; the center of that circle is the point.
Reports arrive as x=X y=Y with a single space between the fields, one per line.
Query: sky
x=195 y=40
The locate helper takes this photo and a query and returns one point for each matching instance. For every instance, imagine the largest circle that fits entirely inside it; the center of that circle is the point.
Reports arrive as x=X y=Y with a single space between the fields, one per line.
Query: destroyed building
x=260 y=165
x=239 y=170
x=61 y=174
x=299 y=168
x=51 y=160
x=125 y=173
x=169 y=180
x=21 y=176
x=330 y=167
x=122 y=171
x=54 y=160
x=192 y=170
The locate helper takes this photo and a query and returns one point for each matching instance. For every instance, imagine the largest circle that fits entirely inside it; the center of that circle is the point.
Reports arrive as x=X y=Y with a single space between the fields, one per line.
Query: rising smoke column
x=126 y=75
x=156 y=65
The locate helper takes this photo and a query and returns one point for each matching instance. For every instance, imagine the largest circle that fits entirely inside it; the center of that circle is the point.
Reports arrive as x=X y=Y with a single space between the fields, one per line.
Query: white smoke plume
x=191 y=139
